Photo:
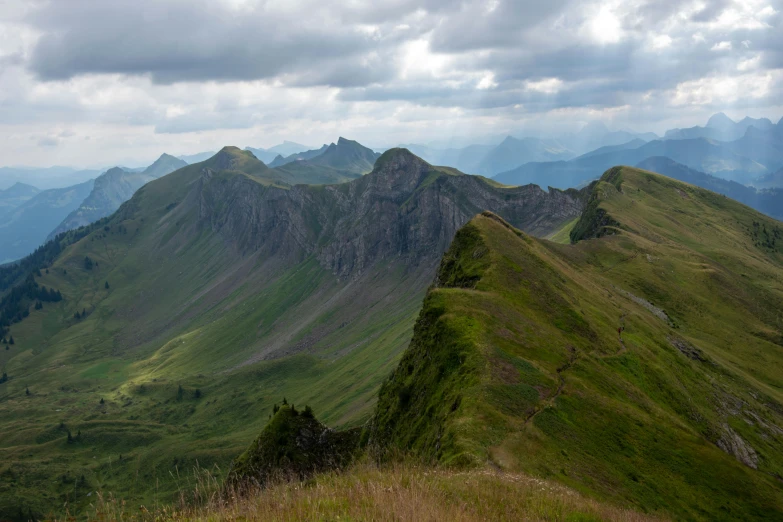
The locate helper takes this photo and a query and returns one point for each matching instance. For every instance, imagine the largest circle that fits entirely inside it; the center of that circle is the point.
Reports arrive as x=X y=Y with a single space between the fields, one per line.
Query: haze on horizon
x=85 y=82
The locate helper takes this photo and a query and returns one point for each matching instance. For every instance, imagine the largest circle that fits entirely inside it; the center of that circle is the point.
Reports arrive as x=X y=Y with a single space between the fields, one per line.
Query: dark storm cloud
x=174 y=41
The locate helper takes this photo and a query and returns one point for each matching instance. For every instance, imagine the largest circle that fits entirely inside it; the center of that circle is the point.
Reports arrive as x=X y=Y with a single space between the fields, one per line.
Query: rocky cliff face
x=404 y=209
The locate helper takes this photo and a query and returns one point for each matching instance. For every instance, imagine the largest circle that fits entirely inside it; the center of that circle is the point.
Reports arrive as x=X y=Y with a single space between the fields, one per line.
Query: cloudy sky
x=89 y=82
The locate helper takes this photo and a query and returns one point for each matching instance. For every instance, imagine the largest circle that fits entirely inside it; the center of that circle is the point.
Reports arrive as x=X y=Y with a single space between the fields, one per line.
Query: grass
x=400 y=492
x=524 y=366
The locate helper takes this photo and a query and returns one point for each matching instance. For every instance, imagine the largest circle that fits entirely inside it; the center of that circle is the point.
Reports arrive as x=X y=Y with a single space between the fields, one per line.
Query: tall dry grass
x=366 y=492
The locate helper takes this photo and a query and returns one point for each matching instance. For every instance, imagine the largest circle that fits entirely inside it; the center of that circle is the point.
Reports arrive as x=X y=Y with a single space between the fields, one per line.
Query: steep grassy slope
x=214 y=291
x=769 y=200
x=642 y=366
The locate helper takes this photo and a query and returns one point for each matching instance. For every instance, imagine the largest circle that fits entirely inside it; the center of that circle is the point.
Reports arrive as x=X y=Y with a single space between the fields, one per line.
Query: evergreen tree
x=198 y=393
x=77 y=316
x=88 y=263
x=11 y=340
x=70 y=437
x=27 y=391
x=106 y=285
x=102 y=401
x=4 y=378
x=180 y=391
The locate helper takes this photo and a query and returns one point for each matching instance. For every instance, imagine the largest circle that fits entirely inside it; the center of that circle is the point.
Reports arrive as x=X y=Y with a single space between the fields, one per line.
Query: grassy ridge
x=517 y=358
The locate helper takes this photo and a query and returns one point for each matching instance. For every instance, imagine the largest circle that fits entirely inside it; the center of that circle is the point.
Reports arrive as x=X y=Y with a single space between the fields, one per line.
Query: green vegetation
x=294 y=445
x=640 y=367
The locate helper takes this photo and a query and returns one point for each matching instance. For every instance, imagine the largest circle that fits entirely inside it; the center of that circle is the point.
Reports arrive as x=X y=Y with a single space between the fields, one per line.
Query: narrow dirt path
x=573 y=356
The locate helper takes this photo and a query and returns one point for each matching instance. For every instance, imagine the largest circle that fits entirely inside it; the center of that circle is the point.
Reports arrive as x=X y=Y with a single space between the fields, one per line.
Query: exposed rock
x=735 y=445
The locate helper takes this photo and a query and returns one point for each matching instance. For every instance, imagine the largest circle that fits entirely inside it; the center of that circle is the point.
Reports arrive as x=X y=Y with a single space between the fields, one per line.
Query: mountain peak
x=595 y=127
x=234 y=158
x=719 y=120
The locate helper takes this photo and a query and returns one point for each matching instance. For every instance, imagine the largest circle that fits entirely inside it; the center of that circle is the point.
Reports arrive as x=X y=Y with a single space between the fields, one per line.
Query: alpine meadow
x=479 y=261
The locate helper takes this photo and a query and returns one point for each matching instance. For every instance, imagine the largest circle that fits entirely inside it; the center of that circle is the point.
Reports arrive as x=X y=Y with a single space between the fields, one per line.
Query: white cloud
x=721 y=46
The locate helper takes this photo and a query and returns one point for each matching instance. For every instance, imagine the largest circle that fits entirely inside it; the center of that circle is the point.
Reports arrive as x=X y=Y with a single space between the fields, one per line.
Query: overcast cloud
x=86 y=82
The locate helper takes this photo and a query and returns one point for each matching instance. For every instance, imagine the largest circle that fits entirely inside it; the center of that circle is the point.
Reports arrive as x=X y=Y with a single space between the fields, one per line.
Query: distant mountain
x=347 y=155
x=197 y=158
x=44 y=178
x=513 y=152
x=113 y=188
x=465 y=159
x=633 y=144
x=770 y=180
x=25 y=228
x=287 y=148
x=280 y=160
x=720 y=127
x=15 y=195
x=769 y=201
x=164 y=165
x=595 y=135
x=704 y=155
x=762 y=146
x=339 y=162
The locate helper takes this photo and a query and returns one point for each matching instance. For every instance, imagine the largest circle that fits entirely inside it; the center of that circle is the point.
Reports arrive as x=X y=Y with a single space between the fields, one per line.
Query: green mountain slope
x=211 y=293
x=641 y=364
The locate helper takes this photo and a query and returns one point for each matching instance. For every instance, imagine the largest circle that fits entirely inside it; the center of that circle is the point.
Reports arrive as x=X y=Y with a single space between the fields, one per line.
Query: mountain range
x=286 y=148
x=756 y=154
x=218 y=274
x=111 y=189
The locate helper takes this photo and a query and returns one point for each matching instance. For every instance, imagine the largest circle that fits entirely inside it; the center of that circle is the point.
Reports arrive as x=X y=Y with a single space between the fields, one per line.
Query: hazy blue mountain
x=763 y=146
x=768 y=201
x=44 y=178
x=197 y=158
x=26 y=227
x=720 y=127
x=704 y=155
x=465 y=159
x=774 y=179
x=304 y=155
x=15 y=195
x=287 y=148
x=595 y=135
x=113 y=188
x=633 y=144
x=513 y=152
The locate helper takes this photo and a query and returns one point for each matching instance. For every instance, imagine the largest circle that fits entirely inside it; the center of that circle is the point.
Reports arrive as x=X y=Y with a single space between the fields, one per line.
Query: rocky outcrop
x=293 y=445
x=405 y=209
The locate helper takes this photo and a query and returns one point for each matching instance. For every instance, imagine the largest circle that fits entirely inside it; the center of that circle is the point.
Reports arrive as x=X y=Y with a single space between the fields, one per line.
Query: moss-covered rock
x=293 y=445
